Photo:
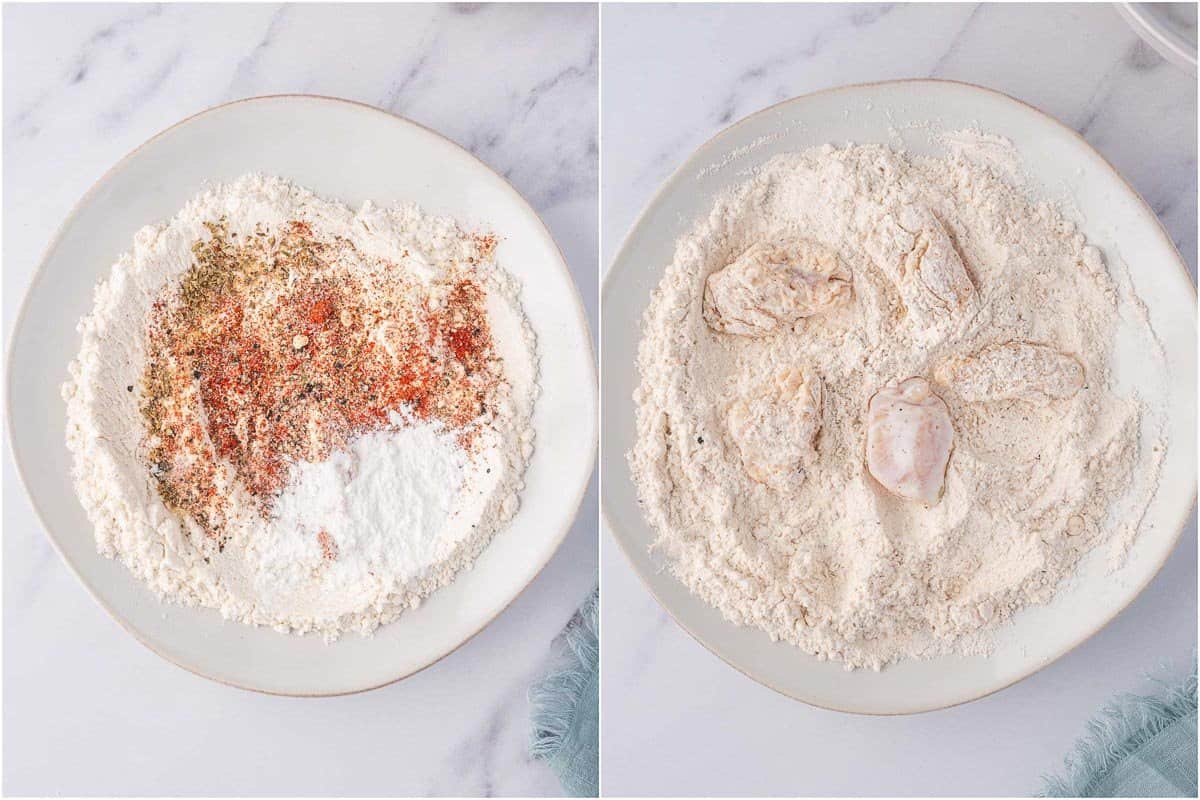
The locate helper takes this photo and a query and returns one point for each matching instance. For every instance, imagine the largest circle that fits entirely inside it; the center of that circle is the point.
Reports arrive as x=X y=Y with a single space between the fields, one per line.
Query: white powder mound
x=1039 y=473
x=400 y=480
x=401 y=510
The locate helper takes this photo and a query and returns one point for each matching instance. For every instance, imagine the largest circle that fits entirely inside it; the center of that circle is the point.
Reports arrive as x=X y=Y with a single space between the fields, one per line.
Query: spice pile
x=279 y=349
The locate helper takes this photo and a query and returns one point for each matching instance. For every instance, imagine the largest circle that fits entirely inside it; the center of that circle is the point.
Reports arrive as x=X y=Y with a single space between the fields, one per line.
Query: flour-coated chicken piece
x=772 y=286
x=909 y=439
x=917 y=253
x=775 y=428
x=1036 y=373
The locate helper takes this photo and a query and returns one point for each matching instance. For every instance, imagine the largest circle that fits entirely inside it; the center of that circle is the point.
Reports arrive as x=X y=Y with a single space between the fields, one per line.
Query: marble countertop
x=87 y=709
x=676 y=719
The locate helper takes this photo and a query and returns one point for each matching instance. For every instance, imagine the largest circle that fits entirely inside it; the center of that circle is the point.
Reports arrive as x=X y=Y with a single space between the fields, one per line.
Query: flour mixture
x=877 y=414
x=304 y=416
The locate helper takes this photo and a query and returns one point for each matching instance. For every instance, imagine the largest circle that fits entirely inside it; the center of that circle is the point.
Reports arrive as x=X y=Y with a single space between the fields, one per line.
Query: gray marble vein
x=145 y=89
x=243 y=75
x=955 y=43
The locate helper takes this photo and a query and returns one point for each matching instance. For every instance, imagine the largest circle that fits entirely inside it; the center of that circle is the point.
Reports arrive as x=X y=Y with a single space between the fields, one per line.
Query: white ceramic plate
x=1170 y=28
x=1114 y=218
x=354 y=153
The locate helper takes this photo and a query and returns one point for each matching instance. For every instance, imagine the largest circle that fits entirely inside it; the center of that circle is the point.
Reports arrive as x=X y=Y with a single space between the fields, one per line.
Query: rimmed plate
x=354 y=153
x=1066 y=169
x=1170 y=28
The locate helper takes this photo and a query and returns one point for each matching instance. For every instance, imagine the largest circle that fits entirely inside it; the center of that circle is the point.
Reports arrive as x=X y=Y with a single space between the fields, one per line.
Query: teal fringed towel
x=1137 y=747
x=566 y=707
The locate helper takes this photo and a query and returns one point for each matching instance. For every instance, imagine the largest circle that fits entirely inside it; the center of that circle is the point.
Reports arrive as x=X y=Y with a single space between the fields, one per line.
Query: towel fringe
x=553 y=699
x=1124 y=726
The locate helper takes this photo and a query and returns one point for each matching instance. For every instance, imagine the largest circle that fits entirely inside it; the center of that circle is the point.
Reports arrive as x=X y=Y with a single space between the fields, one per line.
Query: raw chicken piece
x=917 y=253
x=909 y=439
x=773 y=285
x=775 y=429
x=1035 y=373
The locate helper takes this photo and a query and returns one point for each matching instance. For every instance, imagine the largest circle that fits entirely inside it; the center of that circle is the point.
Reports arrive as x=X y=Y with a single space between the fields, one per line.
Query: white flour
x=1041 y=470
x=388 y=482
x=354 y=539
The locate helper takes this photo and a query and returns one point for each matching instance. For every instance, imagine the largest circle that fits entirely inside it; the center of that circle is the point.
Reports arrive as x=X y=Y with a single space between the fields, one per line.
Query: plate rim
x=1165 y=41
x=560 y=262
x=608 y=285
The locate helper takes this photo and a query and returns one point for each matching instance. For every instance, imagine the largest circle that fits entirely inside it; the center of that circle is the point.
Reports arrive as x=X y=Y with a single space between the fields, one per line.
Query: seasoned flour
x=302 y=415
x=752 y=408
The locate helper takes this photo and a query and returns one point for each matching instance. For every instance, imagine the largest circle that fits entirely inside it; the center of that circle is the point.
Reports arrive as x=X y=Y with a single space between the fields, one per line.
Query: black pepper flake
x=700 y=439
x=196 y=374
x=129 y=388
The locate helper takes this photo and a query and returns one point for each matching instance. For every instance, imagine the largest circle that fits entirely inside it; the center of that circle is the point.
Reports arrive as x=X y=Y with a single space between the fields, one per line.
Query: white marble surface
x=676 y=719
x=87 y=709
